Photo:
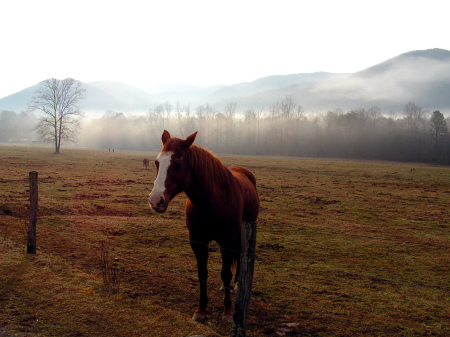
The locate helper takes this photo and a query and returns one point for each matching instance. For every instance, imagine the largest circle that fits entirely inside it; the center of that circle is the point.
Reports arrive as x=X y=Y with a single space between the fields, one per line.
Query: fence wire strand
x=256 y=296
x=338 y=271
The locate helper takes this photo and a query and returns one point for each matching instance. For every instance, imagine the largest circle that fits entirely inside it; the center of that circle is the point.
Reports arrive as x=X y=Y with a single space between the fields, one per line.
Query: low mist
x=282 y=130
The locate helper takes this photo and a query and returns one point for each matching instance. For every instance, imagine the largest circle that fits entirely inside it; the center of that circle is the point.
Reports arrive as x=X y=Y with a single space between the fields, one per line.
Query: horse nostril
x=160 y=203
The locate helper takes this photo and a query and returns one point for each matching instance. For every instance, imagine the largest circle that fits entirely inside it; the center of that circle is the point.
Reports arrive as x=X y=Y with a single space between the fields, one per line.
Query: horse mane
x=210 y=171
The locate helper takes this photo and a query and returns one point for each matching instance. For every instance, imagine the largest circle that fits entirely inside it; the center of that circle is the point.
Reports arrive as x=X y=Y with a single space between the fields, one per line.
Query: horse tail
x=235 y=262
x=251 y=177
x=234 y=265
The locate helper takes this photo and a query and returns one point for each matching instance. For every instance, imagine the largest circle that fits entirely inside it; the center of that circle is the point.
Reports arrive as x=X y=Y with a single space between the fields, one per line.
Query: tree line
x=285 y=129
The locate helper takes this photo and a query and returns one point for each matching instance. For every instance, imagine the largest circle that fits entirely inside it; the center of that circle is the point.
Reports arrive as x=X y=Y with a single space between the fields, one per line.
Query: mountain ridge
x=421 y=76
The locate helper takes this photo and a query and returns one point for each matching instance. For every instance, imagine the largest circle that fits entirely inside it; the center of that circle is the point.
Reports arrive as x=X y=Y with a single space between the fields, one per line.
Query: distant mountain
x=18 y=102
x=221 y=95
x=270 y=83
x=115 y=96
x=407 y=60
x=100 y=97
x=184 y=94
x=422 y=77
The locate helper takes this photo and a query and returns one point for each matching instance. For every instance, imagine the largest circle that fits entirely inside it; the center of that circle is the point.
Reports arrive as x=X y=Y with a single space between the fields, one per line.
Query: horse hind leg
x=235 y=268
x=201 y=253
x=235 y=272
x=227 y=275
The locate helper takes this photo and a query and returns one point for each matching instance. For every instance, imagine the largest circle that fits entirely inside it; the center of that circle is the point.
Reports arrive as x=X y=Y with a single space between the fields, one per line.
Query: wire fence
x=104 y=248
x=146 y=228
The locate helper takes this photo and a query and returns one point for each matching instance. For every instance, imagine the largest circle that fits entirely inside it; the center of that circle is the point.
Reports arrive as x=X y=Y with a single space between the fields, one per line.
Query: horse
x=146 y=163
x=219 y=199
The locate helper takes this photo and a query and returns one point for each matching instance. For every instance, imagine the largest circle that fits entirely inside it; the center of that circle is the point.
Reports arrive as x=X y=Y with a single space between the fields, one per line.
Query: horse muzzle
x=157 y=203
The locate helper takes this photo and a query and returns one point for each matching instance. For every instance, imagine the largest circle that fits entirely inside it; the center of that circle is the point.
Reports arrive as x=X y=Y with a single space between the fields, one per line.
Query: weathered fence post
x=244 y=291
x=31 y=236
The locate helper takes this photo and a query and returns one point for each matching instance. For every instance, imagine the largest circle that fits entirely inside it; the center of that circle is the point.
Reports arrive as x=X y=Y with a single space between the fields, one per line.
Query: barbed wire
x=136 y=228
x=383 y=238
x=171 y=271
x=128 y=226
x=142 y=262
x=309 y=265
x=256 y=296
x=373 y=277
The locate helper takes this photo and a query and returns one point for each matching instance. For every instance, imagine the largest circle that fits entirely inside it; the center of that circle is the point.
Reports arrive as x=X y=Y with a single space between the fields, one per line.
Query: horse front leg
x=201 y=253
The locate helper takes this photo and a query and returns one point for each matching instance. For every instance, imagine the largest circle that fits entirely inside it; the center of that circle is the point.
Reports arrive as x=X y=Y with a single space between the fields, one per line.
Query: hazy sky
x=206 y=43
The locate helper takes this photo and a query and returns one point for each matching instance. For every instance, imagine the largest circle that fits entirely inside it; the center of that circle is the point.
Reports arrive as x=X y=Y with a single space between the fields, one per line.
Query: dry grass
x=343 y=248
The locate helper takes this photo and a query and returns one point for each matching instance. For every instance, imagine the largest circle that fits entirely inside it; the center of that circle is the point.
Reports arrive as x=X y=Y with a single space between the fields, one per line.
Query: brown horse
x=219 y=198
x=146 y=163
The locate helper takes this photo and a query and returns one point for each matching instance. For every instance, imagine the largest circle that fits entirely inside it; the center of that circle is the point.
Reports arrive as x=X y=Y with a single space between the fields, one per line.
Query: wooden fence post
x=244 y=291
x=31 y=236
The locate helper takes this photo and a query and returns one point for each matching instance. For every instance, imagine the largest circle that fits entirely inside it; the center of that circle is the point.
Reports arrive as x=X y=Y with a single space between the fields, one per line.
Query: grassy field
x=343 y=248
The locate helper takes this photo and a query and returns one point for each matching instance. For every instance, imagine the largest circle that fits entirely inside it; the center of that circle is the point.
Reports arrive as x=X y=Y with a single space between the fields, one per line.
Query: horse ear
x=165 y=137
x=189 y=141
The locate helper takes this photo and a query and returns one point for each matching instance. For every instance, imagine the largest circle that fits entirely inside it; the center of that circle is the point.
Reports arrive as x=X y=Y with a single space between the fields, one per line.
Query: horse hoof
x=227 y=318
x=199 y=317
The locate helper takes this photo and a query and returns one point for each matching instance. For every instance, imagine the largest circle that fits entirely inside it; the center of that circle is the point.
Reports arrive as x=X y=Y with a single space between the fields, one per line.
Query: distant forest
x=414 y=135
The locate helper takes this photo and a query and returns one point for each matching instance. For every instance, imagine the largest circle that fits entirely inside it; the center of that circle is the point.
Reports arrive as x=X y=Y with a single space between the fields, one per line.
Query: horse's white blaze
x=159 y=187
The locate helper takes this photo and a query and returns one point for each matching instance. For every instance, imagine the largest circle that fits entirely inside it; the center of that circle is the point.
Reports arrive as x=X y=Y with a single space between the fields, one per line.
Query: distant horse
x=146 y=163
x=219 y=198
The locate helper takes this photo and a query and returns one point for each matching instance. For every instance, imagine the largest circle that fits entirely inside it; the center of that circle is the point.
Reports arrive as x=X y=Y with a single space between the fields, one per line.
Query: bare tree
x=259 y=115
x=374 y=112
x=249 y=119
x=275 y=110
x=187 y=111
x=287 y=106
x=210 y=112
x=299 y=114
x=59 y=101
x=230 y=112
x=157 y=112
x=179 y=111
x=414 y=116
x=167 y=109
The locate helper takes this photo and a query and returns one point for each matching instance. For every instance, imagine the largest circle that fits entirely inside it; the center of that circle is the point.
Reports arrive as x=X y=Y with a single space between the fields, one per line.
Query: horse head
x=172 y=172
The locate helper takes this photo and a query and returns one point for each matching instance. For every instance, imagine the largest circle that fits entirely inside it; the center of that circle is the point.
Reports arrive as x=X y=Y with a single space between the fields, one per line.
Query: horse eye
x=177 y=165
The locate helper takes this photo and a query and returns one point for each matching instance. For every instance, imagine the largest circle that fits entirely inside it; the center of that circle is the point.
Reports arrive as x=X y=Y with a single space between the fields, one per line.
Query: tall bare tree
x=287 y=106
x=414 y=116
x=60 y=118
x=230 y=113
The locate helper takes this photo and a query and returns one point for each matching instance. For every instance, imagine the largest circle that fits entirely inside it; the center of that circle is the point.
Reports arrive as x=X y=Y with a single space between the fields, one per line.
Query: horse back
x=247 y=182
x=239 y=170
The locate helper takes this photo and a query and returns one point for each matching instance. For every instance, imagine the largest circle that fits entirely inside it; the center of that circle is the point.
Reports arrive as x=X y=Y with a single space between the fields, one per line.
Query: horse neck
x=209 y=177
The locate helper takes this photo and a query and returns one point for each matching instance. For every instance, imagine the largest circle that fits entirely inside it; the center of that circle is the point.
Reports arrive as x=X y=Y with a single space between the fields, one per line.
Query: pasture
x=343 y=248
